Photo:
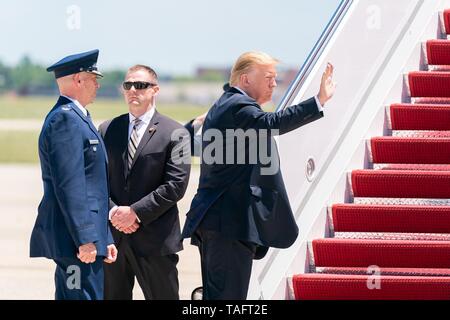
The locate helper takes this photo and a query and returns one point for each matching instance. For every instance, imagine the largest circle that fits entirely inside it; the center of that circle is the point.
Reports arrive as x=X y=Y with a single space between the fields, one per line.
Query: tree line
x=30 y=78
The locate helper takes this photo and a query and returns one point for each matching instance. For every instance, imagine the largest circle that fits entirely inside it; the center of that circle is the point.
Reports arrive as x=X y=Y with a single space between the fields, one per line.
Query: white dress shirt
x=145 y=118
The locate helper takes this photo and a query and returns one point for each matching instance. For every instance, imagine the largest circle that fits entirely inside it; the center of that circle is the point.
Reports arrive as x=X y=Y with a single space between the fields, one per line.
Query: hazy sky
x=172 y=36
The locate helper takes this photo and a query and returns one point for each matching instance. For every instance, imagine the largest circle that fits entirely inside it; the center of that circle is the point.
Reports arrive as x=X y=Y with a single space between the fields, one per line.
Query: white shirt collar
x=146 y=117
x=242 y=91
x=83 y=109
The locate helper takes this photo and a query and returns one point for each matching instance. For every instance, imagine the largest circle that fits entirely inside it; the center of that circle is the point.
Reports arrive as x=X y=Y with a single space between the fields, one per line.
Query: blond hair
x=246 y=61
x=138 y=67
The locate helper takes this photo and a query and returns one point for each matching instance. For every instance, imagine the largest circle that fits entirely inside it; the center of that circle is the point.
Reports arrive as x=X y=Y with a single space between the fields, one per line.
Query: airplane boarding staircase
x=393 y=240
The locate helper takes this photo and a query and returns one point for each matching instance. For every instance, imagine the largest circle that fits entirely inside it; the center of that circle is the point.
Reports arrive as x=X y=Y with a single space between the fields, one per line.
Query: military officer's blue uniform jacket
x=74 y=209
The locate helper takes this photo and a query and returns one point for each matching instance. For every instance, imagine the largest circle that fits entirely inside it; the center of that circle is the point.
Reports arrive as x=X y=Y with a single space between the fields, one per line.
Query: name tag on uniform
x=94 y=143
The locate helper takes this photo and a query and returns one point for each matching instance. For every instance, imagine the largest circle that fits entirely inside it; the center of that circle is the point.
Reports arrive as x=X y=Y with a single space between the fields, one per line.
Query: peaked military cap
x=80 y=62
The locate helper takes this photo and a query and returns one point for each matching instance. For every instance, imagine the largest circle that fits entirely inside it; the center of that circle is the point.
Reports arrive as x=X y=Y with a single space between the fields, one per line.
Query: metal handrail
x=314 y=55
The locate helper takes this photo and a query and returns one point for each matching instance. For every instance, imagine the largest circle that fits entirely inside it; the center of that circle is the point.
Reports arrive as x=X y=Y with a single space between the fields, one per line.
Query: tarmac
x=24 y=278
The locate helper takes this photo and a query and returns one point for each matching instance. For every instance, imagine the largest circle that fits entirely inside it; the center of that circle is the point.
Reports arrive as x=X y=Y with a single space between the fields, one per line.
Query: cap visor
x=97 y=73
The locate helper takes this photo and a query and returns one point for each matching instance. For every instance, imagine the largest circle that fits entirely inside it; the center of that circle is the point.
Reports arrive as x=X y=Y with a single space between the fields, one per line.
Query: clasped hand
x=124 y=219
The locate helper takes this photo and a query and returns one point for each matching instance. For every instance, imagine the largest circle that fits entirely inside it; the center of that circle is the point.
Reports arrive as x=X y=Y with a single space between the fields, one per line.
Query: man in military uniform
x=72 y=223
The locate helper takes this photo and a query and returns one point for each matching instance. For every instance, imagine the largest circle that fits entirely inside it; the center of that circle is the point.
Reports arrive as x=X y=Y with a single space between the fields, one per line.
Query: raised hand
x=327 y=86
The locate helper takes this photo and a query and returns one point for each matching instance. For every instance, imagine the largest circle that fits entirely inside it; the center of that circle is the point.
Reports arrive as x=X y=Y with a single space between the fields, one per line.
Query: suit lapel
x=148 y=134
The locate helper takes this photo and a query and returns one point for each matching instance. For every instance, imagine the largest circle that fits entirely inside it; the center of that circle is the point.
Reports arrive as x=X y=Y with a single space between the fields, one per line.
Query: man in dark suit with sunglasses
x=149 y=166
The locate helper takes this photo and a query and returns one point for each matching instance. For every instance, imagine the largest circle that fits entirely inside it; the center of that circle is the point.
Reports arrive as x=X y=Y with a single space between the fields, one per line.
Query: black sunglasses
x=138 y=85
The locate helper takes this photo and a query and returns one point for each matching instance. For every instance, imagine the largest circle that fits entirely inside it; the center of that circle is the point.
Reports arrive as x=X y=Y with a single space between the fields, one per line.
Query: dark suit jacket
x=154 y=184
x=74 y=209
x=236 y=199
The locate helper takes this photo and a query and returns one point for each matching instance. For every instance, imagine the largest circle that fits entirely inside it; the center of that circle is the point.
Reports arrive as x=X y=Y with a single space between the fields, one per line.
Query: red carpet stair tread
x=401 y=184
x=420 y=117
x=364 y=253
x=382 y=218
x=411 y=150
x=355 y=287
x=438 y=52
x=446 y=15
x=426 y=272
x=429 y=84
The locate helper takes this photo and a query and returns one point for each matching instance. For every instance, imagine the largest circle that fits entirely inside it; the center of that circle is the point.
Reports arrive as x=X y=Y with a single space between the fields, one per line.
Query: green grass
x=19 y=146
x=38 y=107
x=22 y=147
